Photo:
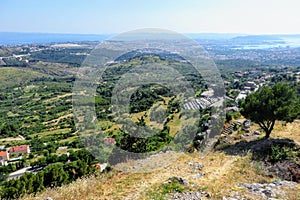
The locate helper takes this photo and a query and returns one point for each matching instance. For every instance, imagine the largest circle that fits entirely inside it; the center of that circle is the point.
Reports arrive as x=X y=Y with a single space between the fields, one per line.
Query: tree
x=54 y=175
x=269 y=104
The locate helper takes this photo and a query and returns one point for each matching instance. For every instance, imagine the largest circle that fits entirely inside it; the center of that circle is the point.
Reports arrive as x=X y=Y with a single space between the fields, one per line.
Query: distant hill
x=258 y=39
x=213 y=36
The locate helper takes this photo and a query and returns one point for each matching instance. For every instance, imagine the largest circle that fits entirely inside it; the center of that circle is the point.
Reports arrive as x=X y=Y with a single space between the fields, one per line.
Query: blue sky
x=185 y=16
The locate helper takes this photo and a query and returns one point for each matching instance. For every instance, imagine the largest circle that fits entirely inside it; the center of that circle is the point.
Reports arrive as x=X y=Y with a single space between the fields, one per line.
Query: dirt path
x=12 y=138
x=57 y=97
x=167 y=169
x=215 y=172
x=56 y=121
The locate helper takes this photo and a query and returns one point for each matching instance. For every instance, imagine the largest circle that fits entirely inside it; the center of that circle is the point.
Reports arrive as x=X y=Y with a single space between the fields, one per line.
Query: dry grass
x=287 y=130
x=136 y=116
x=8 y=139
x=56 y=121
x=57 y=97
x=292 y=193
x=53 y=132
x=223 y=173
x=175 y=124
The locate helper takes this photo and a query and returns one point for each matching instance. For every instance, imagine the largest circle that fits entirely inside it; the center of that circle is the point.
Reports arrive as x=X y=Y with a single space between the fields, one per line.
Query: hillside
x=219 y=174
x=39 y=110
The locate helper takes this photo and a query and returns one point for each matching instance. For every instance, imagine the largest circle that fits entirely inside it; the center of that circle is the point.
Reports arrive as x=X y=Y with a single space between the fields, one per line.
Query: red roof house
x=19 y=149
x=4 y=155
x=109 y=141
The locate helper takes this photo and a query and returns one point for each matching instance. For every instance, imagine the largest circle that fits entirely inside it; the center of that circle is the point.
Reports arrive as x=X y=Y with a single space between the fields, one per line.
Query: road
x=18 y=173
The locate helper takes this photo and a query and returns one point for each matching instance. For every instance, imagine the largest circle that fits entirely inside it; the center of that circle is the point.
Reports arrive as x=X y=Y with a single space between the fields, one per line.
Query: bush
x=277 y=153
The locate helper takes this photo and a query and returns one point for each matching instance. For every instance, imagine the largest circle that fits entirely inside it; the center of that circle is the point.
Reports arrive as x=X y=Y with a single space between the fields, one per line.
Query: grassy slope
x=18 y=79
x=11 y=76
x=223 y=172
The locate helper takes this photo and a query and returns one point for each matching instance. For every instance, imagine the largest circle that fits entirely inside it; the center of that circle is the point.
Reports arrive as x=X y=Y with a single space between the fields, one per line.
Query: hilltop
x=229 y=170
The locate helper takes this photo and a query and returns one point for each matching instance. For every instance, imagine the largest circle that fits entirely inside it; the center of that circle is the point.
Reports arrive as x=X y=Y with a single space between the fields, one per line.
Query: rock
x=247 y=123
x=167 y=182
x=229 y=198
x=195 y=166
x=285 y=183
x=268 y=193
x=198 y=175
x=196 y=195
x=267 y=190
x=286 y=170
x=256 y=133
x=179 y=179
x=247 y=134
x=136 y=167
x=234 y=198
x=246 y=126
x=200 y=136
x=272 y=185
x=48 y=198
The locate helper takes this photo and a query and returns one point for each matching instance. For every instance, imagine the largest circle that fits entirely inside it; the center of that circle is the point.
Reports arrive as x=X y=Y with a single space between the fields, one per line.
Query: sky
x=184 y=16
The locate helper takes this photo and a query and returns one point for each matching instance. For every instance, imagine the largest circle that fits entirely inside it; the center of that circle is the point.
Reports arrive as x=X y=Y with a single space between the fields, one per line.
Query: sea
x=8 y=38
x=15 y=38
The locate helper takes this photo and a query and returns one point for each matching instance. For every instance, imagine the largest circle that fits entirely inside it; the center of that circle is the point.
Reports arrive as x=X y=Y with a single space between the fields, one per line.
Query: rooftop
x=3 y=153
x=19 y=148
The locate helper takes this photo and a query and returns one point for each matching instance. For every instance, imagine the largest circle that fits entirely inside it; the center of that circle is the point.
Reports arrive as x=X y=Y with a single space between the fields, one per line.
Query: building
x=4 y=156
x=3 y=163
x=250 y=84
x=232 y=109
x=19 y=149
x=109 y=141
x=242 y=95
x=62 y=148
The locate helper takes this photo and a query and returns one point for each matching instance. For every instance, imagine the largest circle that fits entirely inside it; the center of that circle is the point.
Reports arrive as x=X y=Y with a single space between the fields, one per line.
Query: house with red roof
x=19 y=149
x=4 y=156
x=109 y=141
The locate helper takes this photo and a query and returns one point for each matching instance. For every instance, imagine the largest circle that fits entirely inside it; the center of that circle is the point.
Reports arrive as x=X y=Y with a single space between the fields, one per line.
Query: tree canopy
x=268 y=104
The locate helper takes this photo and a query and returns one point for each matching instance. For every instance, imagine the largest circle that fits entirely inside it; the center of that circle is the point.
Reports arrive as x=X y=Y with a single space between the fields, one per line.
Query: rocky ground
x=238 y=168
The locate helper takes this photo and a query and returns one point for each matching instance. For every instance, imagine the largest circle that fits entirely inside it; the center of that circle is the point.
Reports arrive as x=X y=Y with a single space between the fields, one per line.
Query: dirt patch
x=57 y=97
x=12 y=139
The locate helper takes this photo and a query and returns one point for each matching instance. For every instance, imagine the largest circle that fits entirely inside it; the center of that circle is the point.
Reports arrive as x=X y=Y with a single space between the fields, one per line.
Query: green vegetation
x=173 y=187
x=14 y=77
x=74 y=56
x=61 y=171
x=279 y=153
x=38 y=107
x=36 y=103
x=146 y=96
x=269 y=104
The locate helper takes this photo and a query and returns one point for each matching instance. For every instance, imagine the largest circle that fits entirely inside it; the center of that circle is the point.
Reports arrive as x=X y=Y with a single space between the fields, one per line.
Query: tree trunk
x=269 y=129
x=268 y=132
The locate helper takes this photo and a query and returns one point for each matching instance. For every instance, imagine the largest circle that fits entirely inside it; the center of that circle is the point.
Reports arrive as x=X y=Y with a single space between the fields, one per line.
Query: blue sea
x=14 y=38
x=7 y=38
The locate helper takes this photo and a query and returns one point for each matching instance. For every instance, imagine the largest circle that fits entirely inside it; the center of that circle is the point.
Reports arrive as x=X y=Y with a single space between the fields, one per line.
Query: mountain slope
x=216 y=174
